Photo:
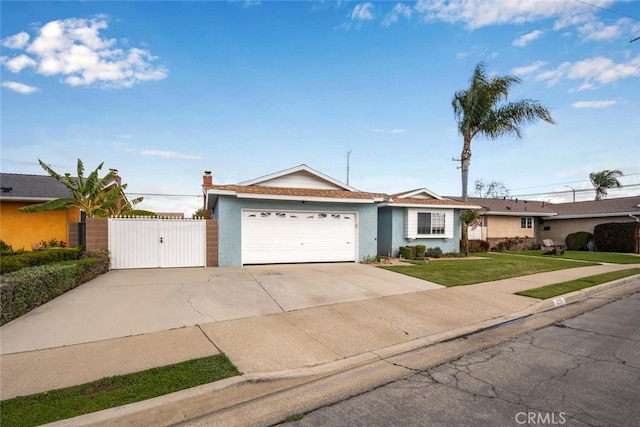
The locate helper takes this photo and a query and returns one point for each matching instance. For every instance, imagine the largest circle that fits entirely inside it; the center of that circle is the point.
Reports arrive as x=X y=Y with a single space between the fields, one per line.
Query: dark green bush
x=420 y=251
x=434 y=252
x=578 y=241
x=4 y=246
x=24 y=259
x=408 y=252
x=617 y=237
x=28 y=288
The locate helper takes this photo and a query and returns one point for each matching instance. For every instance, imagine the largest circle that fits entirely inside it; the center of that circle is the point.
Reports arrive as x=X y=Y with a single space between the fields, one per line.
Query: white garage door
x=288 y=237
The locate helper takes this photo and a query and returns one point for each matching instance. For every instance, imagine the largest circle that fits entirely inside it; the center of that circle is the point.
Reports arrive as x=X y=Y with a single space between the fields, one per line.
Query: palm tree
x=97 y=197
x=604 y=180
x=482 y=109
x=467 y=218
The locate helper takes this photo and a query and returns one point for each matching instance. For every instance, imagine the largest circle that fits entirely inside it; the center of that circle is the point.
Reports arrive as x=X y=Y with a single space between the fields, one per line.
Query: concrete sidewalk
x=288 y=340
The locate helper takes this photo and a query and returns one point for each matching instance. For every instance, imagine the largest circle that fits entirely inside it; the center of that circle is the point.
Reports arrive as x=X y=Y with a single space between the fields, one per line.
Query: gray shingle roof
x=620 y=206
x=512 y=206
x=30 y=187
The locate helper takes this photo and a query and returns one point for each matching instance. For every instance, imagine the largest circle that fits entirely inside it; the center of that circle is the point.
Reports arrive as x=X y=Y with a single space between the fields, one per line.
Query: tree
x=467 y=218
x=490 y=190
x=604 y=180
x=97 y=197
x=482 y=109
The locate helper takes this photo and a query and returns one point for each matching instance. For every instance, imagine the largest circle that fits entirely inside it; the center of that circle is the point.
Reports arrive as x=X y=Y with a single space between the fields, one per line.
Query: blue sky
x=163 y=91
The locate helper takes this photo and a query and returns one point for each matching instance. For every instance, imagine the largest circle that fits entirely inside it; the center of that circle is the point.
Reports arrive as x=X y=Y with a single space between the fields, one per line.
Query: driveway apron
x=123 y=303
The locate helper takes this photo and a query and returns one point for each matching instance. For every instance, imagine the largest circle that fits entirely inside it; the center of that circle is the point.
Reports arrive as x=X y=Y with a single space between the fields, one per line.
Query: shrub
x=578 y=241
x=4 y=246
x=408 y=252
x=420 y=251
x=23 y=259
x=478 y=246
x=28 y=288
x=617 y=237
x=434 y=252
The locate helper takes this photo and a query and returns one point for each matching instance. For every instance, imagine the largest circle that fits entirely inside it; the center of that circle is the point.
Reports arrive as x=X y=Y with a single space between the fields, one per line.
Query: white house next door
x=272 y=236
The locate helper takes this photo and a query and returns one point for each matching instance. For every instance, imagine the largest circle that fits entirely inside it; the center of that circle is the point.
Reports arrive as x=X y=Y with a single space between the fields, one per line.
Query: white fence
x=155 y=242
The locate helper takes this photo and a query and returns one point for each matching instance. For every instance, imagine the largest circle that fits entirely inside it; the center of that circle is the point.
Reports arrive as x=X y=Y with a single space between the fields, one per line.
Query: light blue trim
x=391 y=232
x=228 y=211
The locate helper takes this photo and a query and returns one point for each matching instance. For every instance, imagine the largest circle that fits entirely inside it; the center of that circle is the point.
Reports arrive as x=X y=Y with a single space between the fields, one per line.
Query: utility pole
x=574 y=192
x=348 y=155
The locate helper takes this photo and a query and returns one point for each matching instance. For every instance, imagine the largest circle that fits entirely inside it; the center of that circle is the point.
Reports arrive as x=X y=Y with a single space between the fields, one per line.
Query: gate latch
x=162 y=240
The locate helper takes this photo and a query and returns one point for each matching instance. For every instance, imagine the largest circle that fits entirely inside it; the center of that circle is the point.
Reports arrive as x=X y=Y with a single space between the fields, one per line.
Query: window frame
x=526 y=223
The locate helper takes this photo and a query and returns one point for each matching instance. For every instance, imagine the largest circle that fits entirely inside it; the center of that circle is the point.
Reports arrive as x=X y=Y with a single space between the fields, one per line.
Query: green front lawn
x=486 y=268
x=551 y=291
x=112 y=392
x=609 y=257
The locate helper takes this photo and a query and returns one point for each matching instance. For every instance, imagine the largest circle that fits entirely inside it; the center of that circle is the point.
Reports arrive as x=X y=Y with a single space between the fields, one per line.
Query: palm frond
x=51 y=205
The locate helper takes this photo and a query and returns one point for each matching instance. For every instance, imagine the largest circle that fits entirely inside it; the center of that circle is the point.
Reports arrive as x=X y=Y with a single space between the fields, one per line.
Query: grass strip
x=554 y=290
x=608 y=257
x=114 y=391
x=486 y=268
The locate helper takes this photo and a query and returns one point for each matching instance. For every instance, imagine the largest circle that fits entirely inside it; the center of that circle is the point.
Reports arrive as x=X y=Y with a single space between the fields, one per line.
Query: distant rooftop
x=16 y=186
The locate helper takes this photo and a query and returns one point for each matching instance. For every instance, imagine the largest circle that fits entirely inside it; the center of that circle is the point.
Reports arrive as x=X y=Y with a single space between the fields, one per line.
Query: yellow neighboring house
x=22 y=230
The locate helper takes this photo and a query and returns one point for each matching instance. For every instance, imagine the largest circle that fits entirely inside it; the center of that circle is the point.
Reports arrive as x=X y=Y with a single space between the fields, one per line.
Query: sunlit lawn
x=556 y=289
x=609 y=257
x=484 y=267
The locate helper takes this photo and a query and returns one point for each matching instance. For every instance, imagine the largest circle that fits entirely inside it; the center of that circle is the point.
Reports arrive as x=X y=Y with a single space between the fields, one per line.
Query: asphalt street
x=584 y=371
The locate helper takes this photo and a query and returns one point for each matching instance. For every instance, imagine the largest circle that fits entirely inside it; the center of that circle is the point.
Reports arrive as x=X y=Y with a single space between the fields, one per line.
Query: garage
x=276 y=236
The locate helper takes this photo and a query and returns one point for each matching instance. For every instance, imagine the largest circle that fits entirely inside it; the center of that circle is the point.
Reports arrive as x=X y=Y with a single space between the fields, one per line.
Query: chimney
x=116 y=177
x=207 y=180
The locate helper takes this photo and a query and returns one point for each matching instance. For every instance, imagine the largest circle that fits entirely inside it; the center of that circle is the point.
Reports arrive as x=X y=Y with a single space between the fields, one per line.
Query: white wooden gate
x=153 y=242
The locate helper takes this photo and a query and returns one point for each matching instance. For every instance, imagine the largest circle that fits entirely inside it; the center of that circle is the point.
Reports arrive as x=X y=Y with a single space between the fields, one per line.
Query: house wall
x=228 y=212
x=559 y=229
x=21 y=230
x=502 y=227
x=391 y=233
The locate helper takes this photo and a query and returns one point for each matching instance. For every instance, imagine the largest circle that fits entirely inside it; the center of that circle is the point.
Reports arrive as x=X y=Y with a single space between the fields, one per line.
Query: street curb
x=213 y=397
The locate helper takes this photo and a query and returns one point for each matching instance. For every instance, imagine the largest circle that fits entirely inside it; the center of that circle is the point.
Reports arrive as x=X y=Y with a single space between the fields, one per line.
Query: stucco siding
x=229 y=214
x=502 y=227
x=394 y=219
x=21 y=230
x=559 y=229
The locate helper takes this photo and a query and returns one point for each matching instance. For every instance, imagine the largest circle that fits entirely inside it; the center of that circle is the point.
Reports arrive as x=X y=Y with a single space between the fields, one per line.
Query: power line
x=578 y=190
x=164 y=195
x=564 y=183
x=607 y=10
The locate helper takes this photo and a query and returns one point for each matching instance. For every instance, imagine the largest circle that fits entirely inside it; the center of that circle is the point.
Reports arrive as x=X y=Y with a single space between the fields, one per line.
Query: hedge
x=578 y=241
x=617 y=237
x=22 y=291
x=14 y=261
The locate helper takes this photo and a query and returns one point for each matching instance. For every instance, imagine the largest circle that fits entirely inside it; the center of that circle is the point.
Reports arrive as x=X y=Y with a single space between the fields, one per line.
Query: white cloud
x=600 y=69
x=593 y=104
x=363 y=12
x=15 y=65
x=526 y=38
x=481 y=13
x=169 y=154
x=397 y=131
x=398 y=11
x=19 y=87
x=528 y=69
x=17 y=41
x=75 y=49
x=599 y=31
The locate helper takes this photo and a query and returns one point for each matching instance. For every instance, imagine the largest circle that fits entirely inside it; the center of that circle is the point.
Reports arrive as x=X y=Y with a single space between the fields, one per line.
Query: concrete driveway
x=122 y=303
